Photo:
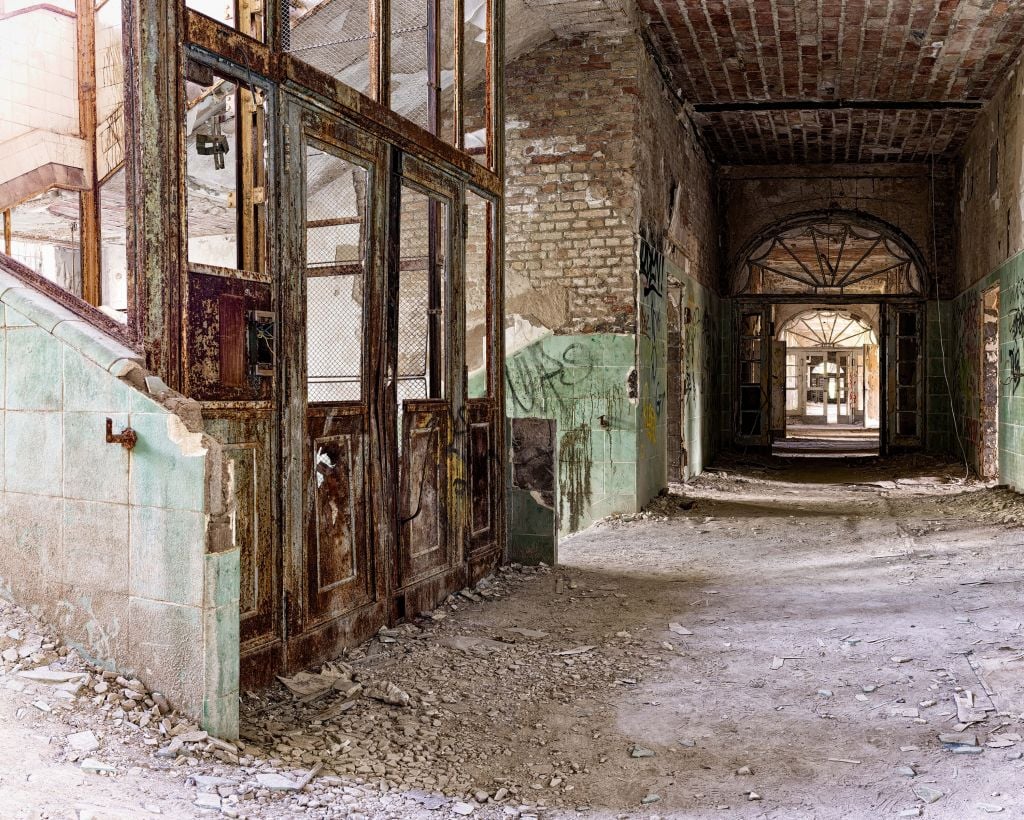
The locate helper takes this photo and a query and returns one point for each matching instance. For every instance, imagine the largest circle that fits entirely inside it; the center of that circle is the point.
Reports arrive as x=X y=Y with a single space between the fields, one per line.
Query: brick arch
x=737 y=270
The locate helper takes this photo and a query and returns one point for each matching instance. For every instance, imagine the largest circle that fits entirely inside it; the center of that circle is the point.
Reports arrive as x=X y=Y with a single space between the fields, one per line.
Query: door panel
x=427 y=319
x=753 y=364
x=424 y=511
x=778 y=389
x=340 y=572
x=905 y=374
x=335 y=582
x=483 y=479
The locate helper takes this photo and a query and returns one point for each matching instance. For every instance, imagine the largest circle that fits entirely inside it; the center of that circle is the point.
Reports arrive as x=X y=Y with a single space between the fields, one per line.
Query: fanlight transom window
x=831 y=258
x=827 y=328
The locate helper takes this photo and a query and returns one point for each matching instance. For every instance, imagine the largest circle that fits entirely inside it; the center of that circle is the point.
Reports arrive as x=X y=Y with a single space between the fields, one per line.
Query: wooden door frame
x=423 y=593
x=301 y=124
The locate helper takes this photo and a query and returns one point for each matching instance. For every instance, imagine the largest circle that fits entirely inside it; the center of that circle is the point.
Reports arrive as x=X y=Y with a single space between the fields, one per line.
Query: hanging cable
x=942 y=341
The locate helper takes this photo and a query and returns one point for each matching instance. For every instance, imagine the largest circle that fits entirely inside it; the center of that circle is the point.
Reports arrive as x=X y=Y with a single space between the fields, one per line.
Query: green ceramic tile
x=3 y=366
x=223 y=573
x=221 y=641
x=33 y=444
x=96 y=548
x=37 y=309
x=167 y=549
x=93 y=344
x=32 y=558
x=93 y=469
x=161 y=476
x=167 y=646
x=220 y=716
x=88 y=387
x=12 y=318
x=33 y=377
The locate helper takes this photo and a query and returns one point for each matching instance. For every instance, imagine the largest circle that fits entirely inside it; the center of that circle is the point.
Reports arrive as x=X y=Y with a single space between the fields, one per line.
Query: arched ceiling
x=836 y=80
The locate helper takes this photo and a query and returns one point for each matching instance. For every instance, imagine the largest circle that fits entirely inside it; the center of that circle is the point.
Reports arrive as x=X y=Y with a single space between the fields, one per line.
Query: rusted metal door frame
x=305 y=640
x=424 y=592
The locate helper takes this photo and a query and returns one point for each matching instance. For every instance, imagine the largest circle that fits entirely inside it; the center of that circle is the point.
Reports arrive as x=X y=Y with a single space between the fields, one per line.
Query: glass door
x=426 y=342
x=335 y=570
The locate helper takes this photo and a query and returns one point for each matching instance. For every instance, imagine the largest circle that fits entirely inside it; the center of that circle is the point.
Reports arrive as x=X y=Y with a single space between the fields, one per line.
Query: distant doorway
x=989 y=411
x=829 y=384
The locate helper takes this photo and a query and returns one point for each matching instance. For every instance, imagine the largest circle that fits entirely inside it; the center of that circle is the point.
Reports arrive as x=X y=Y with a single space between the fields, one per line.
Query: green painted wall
x=965 y=375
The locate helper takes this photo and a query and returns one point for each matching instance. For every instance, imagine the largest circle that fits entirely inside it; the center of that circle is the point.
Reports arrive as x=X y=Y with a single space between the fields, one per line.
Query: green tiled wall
x=107 y=545
x=964 y=366
x=577 y=380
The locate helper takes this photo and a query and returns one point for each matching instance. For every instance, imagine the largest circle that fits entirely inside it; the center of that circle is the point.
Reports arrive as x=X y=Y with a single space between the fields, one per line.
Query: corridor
x=790 y=645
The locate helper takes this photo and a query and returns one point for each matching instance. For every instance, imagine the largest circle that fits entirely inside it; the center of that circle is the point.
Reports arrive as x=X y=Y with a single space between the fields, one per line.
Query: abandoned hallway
x=785 y=640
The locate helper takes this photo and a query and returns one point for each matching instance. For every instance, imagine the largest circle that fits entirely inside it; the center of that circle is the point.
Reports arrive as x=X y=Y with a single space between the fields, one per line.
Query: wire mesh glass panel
x=421 y=279
x=478 y=295
x=336 y=206
x=332 y=37
x=423 y=63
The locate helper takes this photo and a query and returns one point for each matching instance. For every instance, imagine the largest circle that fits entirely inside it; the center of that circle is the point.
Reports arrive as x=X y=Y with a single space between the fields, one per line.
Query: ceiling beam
x=833 y=105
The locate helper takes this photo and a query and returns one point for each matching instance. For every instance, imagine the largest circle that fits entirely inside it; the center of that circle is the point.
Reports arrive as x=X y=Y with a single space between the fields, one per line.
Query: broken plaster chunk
x=900 y=659
x=464 y=809
x=91 y=764
x=650 y=798
x=989 y=808
x=640 y=751
x=83 y=741
x=914 y=812
x=927 y=793
x=679 y=629
x=276 y=782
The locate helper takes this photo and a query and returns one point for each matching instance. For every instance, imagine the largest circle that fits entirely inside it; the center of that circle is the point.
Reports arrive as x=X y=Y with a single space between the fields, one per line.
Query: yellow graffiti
x=650 y=421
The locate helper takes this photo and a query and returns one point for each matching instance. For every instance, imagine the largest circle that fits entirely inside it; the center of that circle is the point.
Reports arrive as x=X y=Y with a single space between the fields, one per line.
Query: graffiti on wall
x=651 y=315
x=1012 y=299
x=542 y=384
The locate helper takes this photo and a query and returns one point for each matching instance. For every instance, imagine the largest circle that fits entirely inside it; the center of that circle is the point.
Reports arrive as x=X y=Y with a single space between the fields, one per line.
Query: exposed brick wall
x=594 y=148
x=756 y=197
x=571 y=159
x=990 y=206
x=677 y=208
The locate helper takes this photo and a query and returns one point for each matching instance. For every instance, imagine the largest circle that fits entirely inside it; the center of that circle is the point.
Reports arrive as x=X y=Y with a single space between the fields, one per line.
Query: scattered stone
x=679 y=629
x=650 y=798
x=90 y=764
x=276 y=782
x=464 y=809
x=83 y=741
x=640 y=751
x=990 y=808
x=927 y=793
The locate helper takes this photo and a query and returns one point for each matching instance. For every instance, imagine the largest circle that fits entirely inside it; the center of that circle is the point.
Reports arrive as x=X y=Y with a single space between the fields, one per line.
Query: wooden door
x=904 y=353
x=778 y=412
x=426 y=312
x=484 y=432
x=335 y=580
x=753 y=374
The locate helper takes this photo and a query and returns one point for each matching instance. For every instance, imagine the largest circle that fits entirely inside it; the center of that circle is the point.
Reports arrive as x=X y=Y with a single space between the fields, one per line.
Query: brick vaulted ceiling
x=779 y=81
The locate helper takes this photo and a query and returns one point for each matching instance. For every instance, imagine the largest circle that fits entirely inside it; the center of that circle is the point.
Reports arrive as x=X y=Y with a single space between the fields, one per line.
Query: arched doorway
x=830 y=331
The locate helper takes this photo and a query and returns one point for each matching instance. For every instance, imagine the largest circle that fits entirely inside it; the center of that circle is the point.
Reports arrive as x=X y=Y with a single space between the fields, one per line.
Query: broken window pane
x=245 y=15
x=475 y=95
x=225 y=167
x=113 y=248
x=422 y=277
x=479 y=261
x=46 y=237
x=336 y=203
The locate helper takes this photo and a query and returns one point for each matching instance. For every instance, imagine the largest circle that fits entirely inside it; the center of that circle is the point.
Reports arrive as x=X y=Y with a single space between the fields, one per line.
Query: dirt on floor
x=815 y=639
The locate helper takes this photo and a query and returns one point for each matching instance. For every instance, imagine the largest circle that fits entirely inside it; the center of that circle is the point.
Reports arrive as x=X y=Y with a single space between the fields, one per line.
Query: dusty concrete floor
x=829 y=607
